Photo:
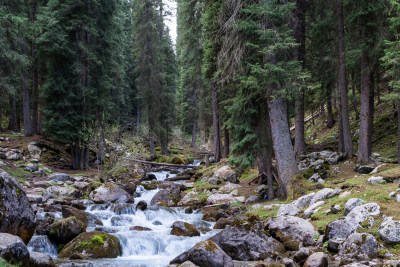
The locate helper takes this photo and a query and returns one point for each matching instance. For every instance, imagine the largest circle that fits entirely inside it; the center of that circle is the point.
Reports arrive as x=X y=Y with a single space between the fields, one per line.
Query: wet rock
x=301 y=255
x=389 y=231
x=38 y=259
x=180 y=228
x=13 y=249
x=65 y=230
x=34 y=150
x=227 y=174
x=85 y=217
x=351 y=204
x=139 y=228
x=110 y=193
x=91 y=245
x=288 y=209
x=168 y=197
x=142 y=205
x=359 y=247
x=242 y=243
x=364 y=169
x=120 y=221
x=61 y=177
x=205 y=253
x=318 y=259
x=292 y=230
x=42 y=244
x=324 y=194
x=16 y=214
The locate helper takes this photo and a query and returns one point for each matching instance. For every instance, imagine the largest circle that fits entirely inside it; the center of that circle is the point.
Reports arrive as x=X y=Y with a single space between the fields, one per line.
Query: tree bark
x=194 y=129
x=353 y=90
x=26 y=104
x=371 y=113
x=12 y=120
x=342 y=83
x=398 y=132
x=284 y=154
x=226 y=143
x=101 y=148
x=216 y=129
x=330 y=119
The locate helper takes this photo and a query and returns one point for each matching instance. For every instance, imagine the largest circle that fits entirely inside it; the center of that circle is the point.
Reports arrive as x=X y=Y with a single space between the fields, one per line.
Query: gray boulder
x=244 y=244
x=34 y=150
x=313 y=209
x=351 y=204
x=59 y=191
x=180 y=228
x=341 y=228
x=389 y=231
x=13 y=249
x=314 y=178
x=65 y=230
x=292 y=229
x=357 y=246
x=303 y=201
x=13 y=155
x=61 y=177
x=227 y=174
x=205 y=253
x=168 y=197
x=375 y=180
x=318 y=259
x=83 y=216
x=288 y=209
x=110 y=193
x=324 y=194
x=16 y=214
x=38 y=259
x=301 y=255
x=364 y=169
x=363 y=214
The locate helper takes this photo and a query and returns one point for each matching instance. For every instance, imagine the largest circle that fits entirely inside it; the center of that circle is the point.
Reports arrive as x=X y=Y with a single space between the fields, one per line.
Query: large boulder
x=110 y=193
x=59 y=191
x=242 y=243
x=227 y=174
x=205 y=253
x=168 y=197
x=87 y=218
x=180 y=228
x=389 y=231
x=363 y=214
x=357 y=246
x=229 y=188
x=65 y=230
x=292 y=231
x=61 y=177
x=288 y=209
x=190 y=199
x=339 y=229
x=351 y=204
x=34 y=150
x=324 y=194
x=223 y=198
x=318 y=259
x=38 y=259
x=13 y=249
x=16 y=214
x=92 y=245
x=303 y=201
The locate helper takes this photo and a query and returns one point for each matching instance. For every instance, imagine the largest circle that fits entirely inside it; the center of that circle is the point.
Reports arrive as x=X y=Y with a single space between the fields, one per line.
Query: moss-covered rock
x=92 y=245
x=184 y=229
x=65 y=230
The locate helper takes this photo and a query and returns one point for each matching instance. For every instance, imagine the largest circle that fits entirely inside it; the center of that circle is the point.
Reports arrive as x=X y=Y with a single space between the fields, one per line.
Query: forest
x=241 y=74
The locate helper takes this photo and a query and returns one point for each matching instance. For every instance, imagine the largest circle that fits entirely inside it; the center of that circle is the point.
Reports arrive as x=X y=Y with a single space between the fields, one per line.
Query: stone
x=168 y=197
x=303 y=201
x=361 y=247
x=301 y=255
x=292 y=229
x=375 y=180
x=2 y=164
x=38 y=259
x=34 y=150
x=110 y=193
x=318 y=259
x=313 y=209
x=220 y=199
x=180 y=228
x=91 y=245
x=351 y=204
x=324 y=194
x=59 y=191
x=364 y=169
x=229 y=187
x=320 y=181
x=389 y=231
x=214 y=181
x=13 y=249
x=227 y=174
x=336 y=209
x=288 y=209
x=31 y=168
x=64 y=230
x=334 y=244
x=314 y=178
x=205 y=253
x=392 y=194
x=222 y=223
x=16 y=214
x=244 y=244
x=363 y=214
x=81 y=186
x=83 y=216
x=253 y=199
x=398 y=198
x=142 y=205
x=139 y=228
x=60 y=177
x=120 y=221
x=190 y=199
x=13 y=155
x=34 y=198
x=42 y=244
x=340 y=228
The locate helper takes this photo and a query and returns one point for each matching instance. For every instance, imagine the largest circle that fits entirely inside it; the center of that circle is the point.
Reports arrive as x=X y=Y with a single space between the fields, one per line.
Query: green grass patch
x=17 y=173
x=205 y=185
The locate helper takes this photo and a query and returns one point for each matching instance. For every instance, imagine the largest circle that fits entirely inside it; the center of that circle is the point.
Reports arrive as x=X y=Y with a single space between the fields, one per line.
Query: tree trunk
x=35 y=78
x=398 y=132
x=194 y=129
x=226 y=143
x=138 y=117
x=284 y=154
x=353 y=90
x=151 y=144
x=342 y=83
x=101 y=148
x=330 y=119
x=371 y=113
x=216 y=129
x=299 y=139
x=12 y=120
x=25 y=103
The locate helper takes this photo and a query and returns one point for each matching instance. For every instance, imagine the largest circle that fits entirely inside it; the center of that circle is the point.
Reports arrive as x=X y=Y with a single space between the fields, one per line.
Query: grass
x=205 y=185
x=17 y=173
x=3 y=263
x=264 y=213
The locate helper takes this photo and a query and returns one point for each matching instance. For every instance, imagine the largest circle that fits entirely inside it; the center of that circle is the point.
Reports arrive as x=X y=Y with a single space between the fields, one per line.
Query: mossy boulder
x=92 y=245
x=64 y=230
x=177 y=160
x=85 y=217
x=184 y=229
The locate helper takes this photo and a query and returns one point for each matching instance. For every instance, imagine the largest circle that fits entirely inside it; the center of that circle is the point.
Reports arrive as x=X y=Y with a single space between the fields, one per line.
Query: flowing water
x=139 y=248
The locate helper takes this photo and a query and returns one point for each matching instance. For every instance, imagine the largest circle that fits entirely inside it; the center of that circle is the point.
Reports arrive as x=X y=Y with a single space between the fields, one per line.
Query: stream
x=138 y=248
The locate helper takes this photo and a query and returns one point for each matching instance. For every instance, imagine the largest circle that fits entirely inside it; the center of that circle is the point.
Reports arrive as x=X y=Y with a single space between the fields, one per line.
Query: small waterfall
x=41 y=243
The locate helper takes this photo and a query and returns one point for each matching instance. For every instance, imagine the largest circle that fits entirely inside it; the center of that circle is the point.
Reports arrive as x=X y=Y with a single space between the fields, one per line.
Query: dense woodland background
x=241 y=74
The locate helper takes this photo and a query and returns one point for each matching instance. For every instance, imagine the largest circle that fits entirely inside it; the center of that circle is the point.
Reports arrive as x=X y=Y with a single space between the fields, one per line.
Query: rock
x=34 y=150
x=364 y=169
x=303 y=201
x=359 y=247
x=244 y=244
x=398 y=198
x=38 y=259
x=110 y=193
x=301 y=255
x=375 y=180
x=229 y=187
x=205 y=253
x=351 y=204
x=13 y=155
x=288 y=209
x=290 y=230
x=341 y=228
x=168 y=197
x=392 y=194
x=87 y=218
x=61 y=177
x=16 y=214
x=59 y=191
x=320 y=181
x=184 y=229
x=227 y=174
x=336 y=209
x=261 y=189
x=65 y=230
x=314 y=178
x=13 y=249
x=142 y=205
x=313 y=209
x=214 y=180
x=334 y=244
x=389 y=231
x=318 y=259
x=190 y=199
x=222 y=223
x=34 y=198
x=324 y=194
x=139 y=228
x=222 y=199
x=253 y=199
x=363 y=214
x=81 y=186
x=92 y=245
x=31 y=168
